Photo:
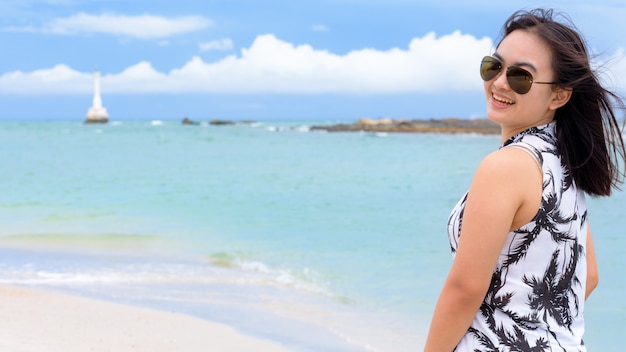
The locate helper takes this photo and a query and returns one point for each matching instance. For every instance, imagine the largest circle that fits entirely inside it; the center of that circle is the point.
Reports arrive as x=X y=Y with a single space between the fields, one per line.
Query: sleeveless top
x=536 y=297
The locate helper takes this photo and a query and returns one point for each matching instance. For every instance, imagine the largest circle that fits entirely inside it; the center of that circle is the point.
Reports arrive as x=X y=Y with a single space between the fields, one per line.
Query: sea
x=319 y=241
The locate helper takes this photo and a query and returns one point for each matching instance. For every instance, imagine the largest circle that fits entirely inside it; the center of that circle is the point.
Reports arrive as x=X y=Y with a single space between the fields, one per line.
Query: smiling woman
x=524 y=257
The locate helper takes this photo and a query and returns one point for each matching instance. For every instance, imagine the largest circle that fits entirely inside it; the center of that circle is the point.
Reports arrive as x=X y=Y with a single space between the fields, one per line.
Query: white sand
x=33 y=320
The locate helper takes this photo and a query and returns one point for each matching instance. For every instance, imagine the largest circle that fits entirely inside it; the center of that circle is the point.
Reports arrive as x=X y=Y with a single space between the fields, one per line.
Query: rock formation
x=188 y=121
x=447 y=125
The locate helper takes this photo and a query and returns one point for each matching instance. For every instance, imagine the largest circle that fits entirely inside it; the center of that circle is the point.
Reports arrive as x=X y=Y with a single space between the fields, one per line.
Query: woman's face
x=517 y=112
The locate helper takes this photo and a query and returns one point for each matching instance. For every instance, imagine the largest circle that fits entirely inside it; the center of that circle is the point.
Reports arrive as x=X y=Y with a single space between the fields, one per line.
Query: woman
x=524 y=258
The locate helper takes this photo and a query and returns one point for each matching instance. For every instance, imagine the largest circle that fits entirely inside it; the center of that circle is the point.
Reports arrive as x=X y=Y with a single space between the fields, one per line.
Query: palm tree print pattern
x=535 y=300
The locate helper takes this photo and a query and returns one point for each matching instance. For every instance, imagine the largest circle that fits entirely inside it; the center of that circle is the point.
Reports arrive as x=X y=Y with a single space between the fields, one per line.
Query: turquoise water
x=322 y=241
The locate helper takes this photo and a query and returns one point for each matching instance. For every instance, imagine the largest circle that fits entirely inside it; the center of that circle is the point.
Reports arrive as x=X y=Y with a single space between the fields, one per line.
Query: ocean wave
x=257 y=272
x=299 y=128
x=67 y=260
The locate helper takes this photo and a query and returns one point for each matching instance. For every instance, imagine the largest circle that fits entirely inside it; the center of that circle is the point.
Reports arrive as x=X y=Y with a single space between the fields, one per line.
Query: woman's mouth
x=500 y=100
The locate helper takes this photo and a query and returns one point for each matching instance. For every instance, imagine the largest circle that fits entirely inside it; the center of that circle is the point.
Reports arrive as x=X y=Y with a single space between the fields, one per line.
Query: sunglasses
x=519 y=79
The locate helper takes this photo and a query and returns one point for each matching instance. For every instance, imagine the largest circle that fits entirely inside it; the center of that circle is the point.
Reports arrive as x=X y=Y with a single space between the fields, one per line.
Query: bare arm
x=505 y=188
x=592 y=265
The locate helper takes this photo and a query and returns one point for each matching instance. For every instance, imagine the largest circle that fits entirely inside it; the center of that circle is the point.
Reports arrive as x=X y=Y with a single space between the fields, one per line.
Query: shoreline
x=34 y=319
x=447 y=125
x=146 y=298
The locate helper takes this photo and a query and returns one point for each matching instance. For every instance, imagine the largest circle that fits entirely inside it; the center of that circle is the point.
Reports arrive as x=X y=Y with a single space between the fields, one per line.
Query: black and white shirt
x=536 y=298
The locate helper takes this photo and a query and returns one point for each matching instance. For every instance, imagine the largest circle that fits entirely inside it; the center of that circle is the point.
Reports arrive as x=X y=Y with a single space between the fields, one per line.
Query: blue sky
x=261 y=60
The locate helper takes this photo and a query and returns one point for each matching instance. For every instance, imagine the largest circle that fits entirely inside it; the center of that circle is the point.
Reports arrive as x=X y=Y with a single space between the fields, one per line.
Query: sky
x=268 y=60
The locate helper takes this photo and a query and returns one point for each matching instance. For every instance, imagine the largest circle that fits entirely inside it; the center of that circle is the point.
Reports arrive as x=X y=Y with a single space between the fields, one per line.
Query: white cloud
x=270 y=65
x=222 y=44
x=142 y=26
x=59 y=78
x=320 y=28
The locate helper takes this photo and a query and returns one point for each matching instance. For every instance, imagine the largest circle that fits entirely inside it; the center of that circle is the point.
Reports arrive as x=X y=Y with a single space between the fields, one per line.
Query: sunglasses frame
x=518 y=86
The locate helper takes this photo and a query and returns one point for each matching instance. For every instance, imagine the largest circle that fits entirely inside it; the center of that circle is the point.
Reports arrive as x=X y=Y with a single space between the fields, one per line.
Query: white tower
x=97 y=113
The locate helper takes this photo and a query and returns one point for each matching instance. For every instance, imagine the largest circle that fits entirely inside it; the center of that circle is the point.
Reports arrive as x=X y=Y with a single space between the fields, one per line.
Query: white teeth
x=502 y=99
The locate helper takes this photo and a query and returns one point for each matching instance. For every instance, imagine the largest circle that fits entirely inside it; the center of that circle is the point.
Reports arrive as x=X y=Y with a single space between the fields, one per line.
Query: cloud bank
x=224 y=44
x=141 y=27
x=271 y=65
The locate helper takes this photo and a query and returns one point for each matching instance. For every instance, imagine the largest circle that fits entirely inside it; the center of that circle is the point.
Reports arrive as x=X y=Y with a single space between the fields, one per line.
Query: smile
x=502 y=100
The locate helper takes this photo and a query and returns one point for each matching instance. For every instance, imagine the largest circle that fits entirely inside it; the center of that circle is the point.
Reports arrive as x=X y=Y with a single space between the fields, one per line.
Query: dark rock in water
x=221 y=122
x=187 y=121
x=97 y=121
x=448 y=125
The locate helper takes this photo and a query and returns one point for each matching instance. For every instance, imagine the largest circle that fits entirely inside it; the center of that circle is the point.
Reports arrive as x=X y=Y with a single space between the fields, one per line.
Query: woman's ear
x=561 y=97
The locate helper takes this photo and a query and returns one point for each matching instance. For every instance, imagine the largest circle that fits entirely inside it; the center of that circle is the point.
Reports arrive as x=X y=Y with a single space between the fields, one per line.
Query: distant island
x=446 y=125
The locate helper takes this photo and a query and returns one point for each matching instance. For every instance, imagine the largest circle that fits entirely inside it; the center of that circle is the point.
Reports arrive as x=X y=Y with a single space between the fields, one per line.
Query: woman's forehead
x=526 y=48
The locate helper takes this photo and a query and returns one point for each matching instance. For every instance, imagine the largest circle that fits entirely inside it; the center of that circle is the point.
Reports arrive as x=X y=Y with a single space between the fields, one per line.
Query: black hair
x=589 y=135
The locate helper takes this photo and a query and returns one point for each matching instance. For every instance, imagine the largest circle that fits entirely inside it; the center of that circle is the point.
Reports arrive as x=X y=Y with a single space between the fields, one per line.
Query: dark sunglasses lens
x=519 y=80
x=489 y=68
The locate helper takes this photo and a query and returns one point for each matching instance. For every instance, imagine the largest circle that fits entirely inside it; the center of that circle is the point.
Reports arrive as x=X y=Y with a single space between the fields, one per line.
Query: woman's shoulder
x=508 y=168
x=506 y=182
x=515 y=158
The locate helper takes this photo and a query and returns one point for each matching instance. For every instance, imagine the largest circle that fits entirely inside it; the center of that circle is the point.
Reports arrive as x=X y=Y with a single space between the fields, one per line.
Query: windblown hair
x=589 y=135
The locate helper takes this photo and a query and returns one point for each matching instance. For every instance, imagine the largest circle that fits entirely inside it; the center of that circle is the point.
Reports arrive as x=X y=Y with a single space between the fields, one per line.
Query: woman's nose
x=501 y=81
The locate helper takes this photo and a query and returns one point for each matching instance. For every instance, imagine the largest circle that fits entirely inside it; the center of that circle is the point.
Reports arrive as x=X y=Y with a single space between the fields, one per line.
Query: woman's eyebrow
x=521 y=63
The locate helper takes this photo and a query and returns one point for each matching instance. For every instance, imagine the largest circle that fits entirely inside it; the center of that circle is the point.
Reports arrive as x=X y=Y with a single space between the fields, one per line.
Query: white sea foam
x=303 y=128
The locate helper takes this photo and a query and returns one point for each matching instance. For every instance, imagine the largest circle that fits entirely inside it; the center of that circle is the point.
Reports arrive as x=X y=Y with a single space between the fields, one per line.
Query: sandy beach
x=39 y=320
